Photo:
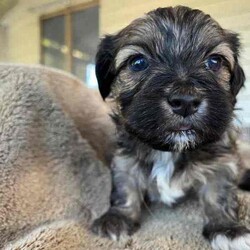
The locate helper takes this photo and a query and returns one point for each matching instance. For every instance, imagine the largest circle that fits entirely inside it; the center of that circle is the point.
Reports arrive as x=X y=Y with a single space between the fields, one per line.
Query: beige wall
x=3 y=43
x=20 y=39
x=23 y=42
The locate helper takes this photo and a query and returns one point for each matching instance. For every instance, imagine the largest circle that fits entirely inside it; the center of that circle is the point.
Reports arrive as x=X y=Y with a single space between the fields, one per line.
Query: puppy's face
x=174 y=74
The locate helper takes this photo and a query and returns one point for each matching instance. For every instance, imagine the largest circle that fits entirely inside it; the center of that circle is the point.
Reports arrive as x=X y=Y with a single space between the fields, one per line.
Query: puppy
x=173 y=76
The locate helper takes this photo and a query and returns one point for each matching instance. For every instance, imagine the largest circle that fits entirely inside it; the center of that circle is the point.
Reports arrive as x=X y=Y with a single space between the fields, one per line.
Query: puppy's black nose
x=184 y=105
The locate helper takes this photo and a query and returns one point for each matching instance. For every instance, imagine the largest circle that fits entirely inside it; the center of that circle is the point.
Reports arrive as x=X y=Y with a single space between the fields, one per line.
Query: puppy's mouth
x=182 y=137
x=183 y=128
x=178 y=138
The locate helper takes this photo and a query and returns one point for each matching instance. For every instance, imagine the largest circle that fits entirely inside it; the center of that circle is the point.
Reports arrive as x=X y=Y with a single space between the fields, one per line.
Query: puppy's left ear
x=237 y=79
x=237 y=76
x=105 y=70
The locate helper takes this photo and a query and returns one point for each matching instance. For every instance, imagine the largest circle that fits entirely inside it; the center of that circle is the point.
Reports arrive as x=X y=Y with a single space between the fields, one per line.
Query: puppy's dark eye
x=214 y=62
x=138 y=63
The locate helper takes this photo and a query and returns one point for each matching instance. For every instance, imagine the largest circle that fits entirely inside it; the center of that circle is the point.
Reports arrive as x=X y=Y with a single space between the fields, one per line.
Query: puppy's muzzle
x=184 y=105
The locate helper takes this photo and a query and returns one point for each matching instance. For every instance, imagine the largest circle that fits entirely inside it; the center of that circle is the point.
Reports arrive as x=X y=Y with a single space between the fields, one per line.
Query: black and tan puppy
x=174 y=76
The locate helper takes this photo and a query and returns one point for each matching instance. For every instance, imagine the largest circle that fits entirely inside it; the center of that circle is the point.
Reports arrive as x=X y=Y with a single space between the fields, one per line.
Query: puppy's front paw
x=222 y=242
x=230 y=238
x=113 y=224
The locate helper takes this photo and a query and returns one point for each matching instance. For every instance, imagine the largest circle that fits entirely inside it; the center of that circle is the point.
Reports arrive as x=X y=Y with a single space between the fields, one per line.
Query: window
x=69 y=40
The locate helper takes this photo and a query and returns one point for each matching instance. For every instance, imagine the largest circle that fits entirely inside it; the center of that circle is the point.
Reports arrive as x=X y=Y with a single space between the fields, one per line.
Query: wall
x=23 y=28
x=3 y=43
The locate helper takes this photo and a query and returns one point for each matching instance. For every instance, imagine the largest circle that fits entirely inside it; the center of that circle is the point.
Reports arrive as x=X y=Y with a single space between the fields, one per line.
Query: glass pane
x=85 y=33
x=53 y=42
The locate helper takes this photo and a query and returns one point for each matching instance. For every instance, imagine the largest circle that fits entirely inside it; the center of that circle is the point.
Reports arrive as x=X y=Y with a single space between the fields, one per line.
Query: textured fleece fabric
x=55 y=144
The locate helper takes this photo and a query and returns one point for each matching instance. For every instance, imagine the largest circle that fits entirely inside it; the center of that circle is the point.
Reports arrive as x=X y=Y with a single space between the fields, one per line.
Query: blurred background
x=65 y=33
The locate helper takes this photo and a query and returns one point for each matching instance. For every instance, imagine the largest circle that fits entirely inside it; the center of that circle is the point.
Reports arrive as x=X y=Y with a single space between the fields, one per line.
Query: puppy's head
x=174 y=75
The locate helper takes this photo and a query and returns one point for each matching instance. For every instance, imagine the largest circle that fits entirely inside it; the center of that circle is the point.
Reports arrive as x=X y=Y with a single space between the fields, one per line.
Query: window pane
x=53 y=42
x=85 y=33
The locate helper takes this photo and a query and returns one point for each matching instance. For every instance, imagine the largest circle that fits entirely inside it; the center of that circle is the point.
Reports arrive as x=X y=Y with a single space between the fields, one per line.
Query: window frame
x=67 y=13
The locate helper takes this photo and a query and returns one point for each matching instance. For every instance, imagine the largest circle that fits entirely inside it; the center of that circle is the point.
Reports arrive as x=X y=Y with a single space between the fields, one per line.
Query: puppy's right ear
x=105 y=69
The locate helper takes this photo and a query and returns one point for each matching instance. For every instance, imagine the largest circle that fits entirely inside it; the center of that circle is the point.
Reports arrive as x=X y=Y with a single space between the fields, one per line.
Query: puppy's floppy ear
x=237 y=76
x=237 y=79
x=105 y=70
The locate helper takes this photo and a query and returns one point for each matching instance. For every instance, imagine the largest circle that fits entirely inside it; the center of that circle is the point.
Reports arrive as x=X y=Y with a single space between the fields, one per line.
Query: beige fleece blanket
x=55 y=140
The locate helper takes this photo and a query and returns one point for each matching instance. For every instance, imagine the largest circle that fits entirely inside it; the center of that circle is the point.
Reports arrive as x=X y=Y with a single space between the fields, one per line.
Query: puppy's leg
x=220 y=202
x=128 y=186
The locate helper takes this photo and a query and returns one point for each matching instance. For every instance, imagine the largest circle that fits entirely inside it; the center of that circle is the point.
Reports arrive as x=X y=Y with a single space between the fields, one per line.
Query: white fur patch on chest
x=162 y=172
